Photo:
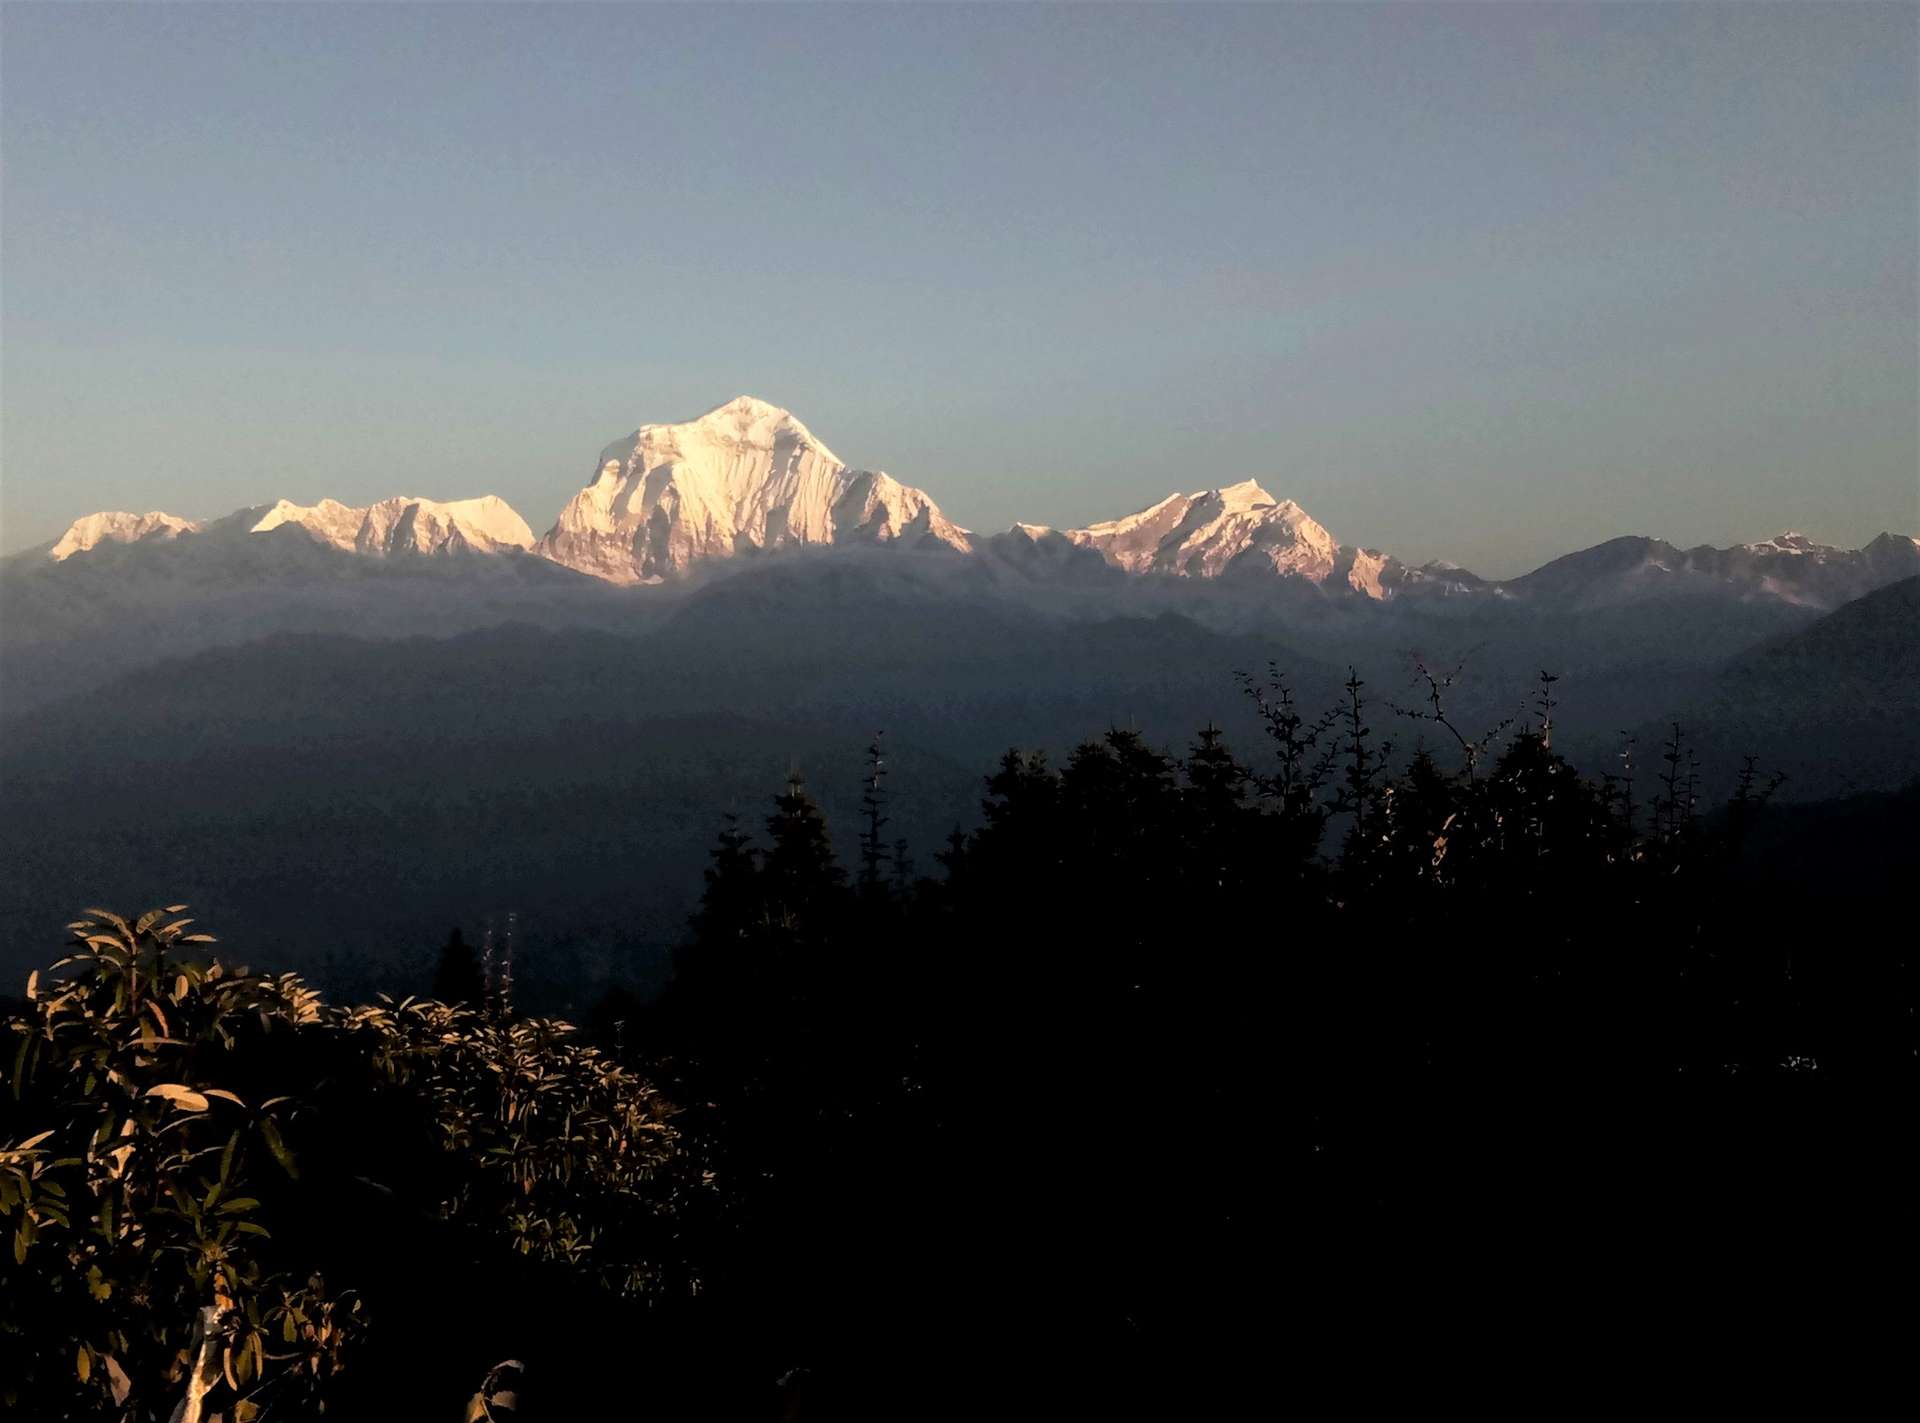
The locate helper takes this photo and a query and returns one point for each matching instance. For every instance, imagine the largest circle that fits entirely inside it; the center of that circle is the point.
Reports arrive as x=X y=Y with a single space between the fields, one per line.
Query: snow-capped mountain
x=1034 y=553
x=1240 y=530
x=1792 y=541
x=403 y=524
x=746 y=475
x=1789 y=568
x=117 y=526
x=1201 y=535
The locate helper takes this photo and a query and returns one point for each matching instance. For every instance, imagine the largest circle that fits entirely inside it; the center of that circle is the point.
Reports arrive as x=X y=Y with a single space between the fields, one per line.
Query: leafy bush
x=163 y=1114
x=568 y=1154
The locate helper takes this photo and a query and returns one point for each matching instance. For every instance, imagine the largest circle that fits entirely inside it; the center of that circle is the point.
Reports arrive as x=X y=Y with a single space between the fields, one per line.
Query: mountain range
x=415 y=712
x=748 y=478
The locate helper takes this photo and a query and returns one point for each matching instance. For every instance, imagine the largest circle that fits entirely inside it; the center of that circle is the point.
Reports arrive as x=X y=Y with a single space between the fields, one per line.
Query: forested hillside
x=339 y=800
x=1177 y=1070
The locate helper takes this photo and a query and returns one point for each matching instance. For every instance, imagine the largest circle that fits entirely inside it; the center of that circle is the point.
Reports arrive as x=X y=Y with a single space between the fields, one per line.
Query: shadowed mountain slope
x=1835 y=705
x=324 y=794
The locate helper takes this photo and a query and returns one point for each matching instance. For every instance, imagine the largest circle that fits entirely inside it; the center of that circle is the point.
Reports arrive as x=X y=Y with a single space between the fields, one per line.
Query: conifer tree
x=801 y=879
x=1019 y=850
x=731 y=908
x=1360 y=790
x=722 y=972
x=1221 y=827
x=456 y=978
x=873 y=815
x=1424 y=804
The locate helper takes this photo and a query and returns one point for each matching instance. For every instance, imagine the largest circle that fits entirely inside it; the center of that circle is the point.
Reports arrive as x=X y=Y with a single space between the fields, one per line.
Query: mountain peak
x=1792 y=541
x=746 y=475
x=1246 y=495
x=401 y=524
x=745 y=418
x=405 y=524
x=1200 y=535
x=745 y=407
x=118 y=526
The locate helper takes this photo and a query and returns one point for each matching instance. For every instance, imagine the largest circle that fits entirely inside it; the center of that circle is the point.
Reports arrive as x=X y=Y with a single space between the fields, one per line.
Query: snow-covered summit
x=746 y=475
x=117 y=526
x=403 y=524
x=406 y=524
x=1791 y=542
x=1200 y=535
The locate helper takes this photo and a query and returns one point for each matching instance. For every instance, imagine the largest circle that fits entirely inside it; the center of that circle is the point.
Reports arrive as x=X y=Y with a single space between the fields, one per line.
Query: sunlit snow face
x=745 y=475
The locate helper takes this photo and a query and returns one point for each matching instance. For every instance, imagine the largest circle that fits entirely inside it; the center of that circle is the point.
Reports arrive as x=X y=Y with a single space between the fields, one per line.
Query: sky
x=1486 y=283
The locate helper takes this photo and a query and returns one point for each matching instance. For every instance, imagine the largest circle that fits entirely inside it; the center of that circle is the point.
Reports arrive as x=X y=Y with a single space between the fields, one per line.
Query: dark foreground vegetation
x=1343 y=1072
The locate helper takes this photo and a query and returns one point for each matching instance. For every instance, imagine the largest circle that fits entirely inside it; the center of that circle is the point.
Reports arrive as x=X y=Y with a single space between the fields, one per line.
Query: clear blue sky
x=1487 y=283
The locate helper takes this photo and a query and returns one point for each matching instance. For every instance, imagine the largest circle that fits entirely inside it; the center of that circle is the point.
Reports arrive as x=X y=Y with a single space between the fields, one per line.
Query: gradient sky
x=1487 y=283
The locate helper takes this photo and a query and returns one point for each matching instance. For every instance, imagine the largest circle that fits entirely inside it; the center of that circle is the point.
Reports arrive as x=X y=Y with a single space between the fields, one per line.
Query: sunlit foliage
x=163 y=1111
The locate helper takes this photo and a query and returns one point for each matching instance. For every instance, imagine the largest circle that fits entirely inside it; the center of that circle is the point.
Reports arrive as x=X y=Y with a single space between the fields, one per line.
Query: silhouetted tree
x=802 y=883
x=873 y=818
x=456 y=978
x=730 y=910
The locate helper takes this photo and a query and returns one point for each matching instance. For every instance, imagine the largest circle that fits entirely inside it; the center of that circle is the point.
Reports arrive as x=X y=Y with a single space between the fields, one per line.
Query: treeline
x=1178 y=1069
x=1178 y=1051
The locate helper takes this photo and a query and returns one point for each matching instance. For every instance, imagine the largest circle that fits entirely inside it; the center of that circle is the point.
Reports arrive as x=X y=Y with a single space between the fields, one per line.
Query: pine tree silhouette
x=456 y=977
x=802 y=882
x=873 y=817
x=730 y=909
